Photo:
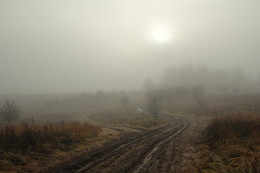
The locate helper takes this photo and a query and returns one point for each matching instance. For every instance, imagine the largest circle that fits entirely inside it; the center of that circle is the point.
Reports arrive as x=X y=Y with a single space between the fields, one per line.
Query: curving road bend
x=151 y=151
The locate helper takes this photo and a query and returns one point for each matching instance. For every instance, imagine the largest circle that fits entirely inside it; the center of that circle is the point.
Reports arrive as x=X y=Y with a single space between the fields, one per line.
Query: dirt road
x=151 y=151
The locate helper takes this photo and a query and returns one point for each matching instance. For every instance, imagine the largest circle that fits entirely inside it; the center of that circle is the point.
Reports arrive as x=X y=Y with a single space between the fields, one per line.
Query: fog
x=67 y=46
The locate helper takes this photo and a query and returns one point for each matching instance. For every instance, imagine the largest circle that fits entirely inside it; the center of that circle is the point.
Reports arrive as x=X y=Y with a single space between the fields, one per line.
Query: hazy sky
x=73 y=46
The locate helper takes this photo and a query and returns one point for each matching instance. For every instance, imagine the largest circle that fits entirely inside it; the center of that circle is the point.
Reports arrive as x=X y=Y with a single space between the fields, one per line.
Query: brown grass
x=230 y=138
x=25 y=144
x=226 y=128
x=32 y=136
x=230 y=143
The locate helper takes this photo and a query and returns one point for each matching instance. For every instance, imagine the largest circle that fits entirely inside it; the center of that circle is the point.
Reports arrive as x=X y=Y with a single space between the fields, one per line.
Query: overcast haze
x=72 y=46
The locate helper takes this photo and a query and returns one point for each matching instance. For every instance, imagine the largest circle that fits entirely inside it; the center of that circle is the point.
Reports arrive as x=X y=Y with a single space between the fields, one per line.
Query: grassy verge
x=24 y=142
x=230 y=144
x=223 y=136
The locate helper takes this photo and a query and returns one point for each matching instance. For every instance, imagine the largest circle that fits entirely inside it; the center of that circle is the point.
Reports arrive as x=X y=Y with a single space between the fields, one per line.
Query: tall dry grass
x=32 y=136
x=225 y=128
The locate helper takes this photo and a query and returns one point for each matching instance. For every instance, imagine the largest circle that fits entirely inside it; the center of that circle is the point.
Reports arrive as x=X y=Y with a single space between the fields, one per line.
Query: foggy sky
x=58 y=46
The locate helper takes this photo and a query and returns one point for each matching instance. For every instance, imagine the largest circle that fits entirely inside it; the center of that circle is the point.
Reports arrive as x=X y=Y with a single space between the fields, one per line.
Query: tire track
x=137 y=153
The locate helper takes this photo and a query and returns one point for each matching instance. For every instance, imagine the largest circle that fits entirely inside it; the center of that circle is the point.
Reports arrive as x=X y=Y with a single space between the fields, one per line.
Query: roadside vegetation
x=224 y=135
x=226 y=129
x=64 y=127
x=230 y=143
x=23 y=142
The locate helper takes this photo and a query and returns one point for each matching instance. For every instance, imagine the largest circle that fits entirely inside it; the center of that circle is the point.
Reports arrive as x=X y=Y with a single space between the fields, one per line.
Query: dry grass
x=21 y=144
x=31 y=136
x=226 y=134
x=227 y=138
x=230 y=144
x=226 y=128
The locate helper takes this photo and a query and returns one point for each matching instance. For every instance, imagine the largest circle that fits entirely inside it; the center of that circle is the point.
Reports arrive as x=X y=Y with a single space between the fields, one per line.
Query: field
x=222 y=135
x=24 y=142
x=29 y=145
x=127 y=116
x=232 y=143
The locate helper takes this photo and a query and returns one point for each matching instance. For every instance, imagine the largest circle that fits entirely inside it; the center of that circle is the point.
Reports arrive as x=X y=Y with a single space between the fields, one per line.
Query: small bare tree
x=152 y=104
x=197 y=93
x=123 y=98
x=9 y=111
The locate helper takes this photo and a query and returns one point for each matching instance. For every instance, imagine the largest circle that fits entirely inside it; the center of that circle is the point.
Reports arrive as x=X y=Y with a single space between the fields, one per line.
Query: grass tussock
x=230 y=144
x=227 y=128
x=32 y=136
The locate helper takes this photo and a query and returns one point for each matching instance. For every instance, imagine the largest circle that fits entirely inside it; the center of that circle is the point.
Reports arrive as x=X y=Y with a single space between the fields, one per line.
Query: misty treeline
x=88 y=99
x=65 y=105
x=193 y=85
x=201 y=90
x=183 y=79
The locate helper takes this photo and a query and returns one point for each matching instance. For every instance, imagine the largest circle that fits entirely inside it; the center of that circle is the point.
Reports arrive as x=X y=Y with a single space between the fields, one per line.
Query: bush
x=223 y=128
x=9 y=111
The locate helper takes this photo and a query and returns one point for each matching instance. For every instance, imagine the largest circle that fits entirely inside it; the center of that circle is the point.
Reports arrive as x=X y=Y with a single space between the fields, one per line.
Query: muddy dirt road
x=151 y=151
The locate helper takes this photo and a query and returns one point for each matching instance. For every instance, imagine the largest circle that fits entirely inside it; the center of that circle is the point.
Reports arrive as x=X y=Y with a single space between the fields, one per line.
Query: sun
x=160 y=34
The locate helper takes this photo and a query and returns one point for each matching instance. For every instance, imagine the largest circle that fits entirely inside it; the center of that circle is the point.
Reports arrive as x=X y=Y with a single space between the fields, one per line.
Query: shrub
x=229 y=127
x=9 y=111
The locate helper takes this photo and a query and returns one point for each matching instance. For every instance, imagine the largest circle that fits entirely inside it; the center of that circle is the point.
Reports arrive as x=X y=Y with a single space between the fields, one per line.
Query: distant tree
x=181 y=92
x=197 y=93
x=100 y=97
x=9 y=111
x=123 y=98
x=152 y=103
x=236 y=91
x=201 y=102
x=166 y=94
x=148 y=85
x=223 y=89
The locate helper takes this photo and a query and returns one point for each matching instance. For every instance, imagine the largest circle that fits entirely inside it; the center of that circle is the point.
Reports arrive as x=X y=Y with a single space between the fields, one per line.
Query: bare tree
x=148 y=85
x=197 y=93
x=181 y=92
x=152 y=104
x=123 y=98
x=9 y=111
